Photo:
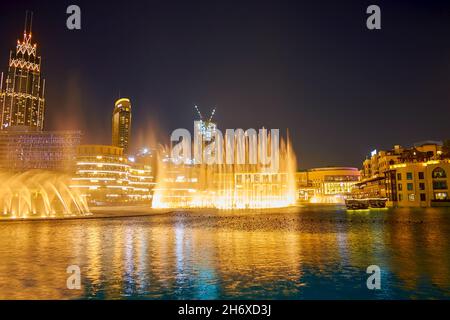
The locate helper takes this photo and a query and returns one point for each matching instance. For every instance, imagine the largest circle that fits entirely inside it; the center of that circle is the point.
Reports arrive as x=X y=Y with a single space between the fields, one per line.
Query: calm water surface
x=296 y=253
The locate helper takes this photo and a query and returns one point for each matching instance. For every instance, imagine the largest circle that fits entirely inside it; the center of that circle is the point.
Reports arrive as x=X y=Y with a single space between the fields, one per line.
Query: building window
x=409 y=176
x=421 y=175
x=441 y=196
x=410 y=187
x=400 y=197
x=423 y=197
x=411 y=197
x=400 y=187
x=399 y=176
x=440 y=185
x=422 y=186
x=439 y=173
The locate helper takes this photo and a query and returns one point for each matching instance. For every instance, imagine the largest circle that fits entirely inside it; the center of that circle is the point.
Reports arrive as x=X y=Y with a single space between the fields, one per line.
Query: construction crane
x=207 y=122
x=199 y=113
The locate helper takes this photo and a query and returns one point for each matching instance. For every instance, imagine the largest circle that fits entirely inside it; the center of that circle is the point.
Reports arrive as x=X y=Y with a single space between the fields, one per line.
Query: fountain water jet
x=39 y=194
x=227 y=186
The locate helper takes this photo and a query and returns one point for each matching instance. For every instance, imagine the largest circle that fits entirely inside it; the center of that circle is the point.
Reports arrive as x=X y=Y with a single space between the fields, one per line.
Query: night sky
x=310 y=66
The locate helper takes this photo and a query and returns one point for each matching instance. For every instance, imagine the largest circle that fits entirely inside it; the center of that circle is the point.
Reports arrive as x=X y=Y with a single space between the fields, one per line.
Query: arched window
x=439 y=173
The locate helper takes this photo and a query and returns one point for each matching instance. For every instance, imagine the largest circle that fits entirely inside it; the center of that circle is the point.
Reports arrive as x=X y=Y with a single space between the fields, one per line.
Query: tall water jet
x=39 y=194
x=246 y=183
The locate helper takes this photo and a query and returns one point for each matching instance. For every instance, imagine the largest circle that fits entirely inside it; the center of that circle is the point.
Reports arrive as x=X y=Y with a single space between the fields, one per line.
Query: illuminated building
x=22 y=101
x=141 y=176
x=407 y=177
x=419 y=184
x=121 y=124
x=104 y=175
x=326 y=185
x=50 y=150
x=379 y=162
x=23 y=143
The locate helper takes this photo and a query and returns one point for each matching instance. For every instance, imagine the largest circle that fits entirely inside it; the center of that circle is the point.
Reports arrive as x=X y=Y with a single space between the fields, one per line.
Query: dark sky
x=310 y=66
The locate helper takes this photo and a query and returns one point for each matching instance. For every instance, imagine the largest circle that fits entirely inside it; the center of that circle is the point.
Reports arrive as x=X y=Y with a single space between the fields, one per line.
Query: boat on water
x=360 y=204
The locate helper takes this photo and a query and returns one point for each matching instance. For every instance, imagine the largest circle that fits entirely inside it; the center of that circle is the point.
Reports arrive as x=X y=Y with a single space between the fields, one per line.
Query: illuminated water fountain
x=247 y=183
x=39 y=194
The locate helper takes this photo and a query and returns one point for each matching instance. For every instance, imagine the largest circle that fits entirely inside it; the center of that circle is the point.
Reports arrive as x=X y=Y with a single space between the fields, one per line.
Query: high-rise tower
x=121 y=124
x=22 y=101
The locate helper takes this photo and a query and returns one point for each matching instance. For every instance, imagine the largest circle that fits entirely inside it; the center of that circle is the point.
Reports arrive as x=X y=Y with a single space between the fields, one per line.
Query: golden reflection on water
x=208 y=255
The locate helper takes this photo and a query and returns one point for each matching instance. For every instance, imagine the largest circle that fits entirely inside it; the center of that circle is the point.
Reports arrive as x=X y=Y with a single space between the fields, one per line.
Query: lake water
x=295 y=253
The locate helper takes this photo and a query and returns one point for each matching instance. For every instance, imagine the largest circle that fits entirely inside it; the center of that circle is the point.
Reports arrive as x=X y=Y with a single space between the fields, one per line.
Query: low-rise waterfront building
x=379 y=162
x=105 y=176
x=407 y=177
x=326 y=185
x=422 y=184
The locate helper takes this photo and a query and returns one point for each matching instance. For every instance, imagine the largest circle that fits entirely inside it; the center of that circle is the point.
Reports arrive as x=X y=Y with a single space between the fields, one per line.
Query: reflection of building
x=104 y=175
x=408 y=177
x=51 y=150
x=22 y=100
x=121 y=124
x=326 y=185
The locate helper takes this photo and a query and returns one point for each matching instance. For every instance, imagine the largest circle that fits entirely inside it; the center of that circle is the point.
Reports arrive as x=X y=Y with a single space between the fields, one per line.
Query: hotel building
x=104 y=176
x=379 y=162
x=407 y=177
x=423 y=184
x=121 y=124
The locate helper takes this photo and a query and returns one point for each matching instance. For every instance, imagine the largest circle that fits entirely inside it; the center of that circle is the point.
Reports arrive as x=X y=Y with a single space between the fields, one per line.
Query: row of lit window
x=437 y=173
x=423 y=196
x=437 y=185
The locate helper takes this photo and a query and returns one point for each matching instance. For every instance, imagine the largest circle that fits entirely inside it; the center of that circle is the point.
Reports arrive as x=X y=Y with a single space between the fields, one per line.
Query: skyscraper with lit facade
x=22 y=101
x=24 y=145
x=121 y=124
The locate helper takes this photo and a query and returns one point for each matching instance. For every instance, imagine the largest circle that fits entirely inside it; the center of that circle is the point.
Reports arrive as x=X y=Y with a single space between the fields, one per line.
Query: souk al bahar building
x=24 y=144
x=418 y=176
x=105 y=175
